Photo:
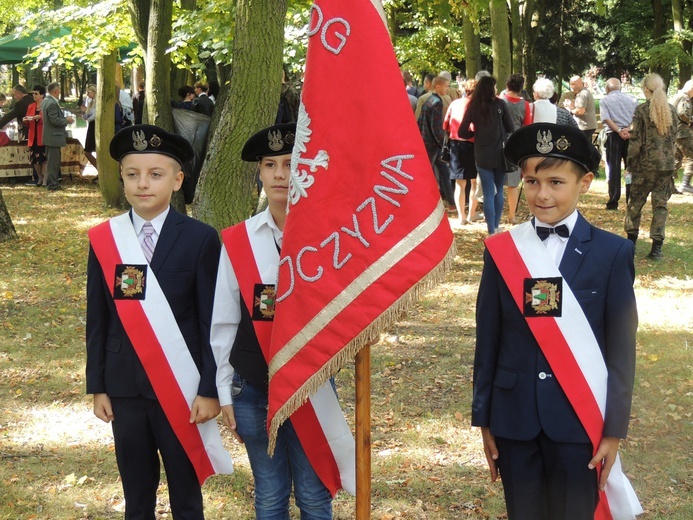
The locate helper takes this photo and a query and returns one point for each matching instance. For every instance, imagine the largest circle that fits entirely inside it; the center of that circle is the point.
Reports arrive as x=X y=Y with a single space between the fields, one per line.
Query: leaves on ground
x=57 y=460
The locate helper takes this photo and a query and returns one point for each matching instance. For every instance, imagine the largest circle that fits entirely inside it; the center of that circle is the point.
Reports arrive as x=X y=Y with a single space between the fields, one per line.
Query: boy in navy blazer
x=149 y=358
x=555 y=346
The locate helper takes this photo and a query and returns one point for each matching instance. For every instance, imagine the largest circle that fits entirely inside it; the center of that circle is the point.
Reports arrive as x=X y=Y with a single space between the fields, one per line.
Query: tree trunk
x=686 y=69
x=517 y=36
x=677 y=18
x=225 y=193
x=561 y=68
x=500 y=41
x=109 y=172
x=392 y=23
x=139 y=13
x=158 y=65
x=7 y=231
x=158 y=74
x=658 y=37
x=472 y=48
x=530 y=31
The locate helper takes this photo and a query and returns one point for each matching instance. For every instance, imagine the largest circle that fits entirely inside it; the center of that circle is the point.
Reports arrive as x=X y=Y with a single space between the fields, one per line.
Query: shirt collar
x=265 y=219
x=157 y=222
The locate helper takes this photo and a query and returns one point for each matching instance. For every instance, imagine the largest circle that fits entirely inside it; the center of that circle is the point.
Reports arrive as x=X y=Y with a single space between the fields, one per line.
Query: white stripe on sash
x=164 y=325
x=337 y=433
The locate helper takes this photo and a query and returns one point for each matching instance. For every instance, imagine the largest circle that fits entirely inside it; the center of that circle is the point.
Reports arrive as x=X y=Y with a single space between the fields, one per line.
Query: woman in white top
x=544 y=109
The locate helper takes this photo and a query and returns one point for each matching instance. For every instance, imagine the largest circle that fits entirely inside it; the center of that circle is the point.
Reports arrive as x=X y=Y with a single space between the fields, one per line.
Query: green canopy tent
x=14 y=48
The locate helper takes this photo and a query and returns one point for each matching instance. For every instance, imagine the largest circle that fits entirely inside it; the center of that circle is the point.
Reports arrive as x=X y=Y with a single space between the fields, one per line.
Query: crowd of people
x=40 y=120
x=473 y=123
x=26 y=119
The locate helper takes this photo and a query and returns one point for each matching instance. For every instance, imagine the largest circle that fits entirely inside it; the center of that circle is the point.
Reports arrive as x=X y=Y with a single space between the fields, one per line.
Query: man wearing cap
x=556 y=323
x=150 y=284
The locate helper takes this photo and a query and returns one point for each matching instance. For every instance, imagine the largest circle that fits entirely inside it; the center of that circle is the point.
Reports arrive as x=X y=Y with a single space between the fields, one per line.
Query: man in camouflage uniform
x=652 y=163
x=684 y=139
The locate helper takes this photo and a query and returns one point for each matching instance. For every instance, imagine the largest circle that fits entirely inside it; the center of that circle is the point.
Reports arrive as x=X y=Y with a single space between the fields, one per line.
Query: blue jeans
x=274 y=475
x=492 y=180
x=442 y=173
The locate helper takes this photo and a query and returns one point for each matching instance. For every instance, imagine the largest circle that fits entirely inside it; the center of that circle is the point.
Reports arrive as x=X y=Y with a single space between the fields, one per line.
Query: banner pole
x=363 y=433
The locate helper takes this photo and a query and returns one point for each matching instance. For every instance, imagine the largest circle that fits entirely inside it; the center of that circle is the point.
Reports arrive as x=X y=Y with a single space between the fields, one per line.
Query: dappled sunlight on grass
x=55 y=424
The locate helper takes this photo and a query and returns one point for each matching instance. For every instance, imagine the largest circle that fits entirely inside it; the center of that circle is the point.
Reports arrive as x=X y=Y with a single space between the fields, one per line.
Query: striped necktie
x=148 y=243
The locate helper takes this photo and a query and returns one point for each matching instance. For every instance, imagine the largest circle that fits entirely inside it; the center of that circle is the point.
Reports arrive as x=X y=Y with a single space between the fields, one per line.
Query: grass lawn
x=57 y=460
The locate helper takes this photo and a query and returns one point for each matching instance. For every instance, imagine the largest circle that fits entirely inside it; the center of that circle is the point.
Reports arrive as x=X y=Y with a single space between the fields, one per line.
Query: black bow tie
x=544 y=232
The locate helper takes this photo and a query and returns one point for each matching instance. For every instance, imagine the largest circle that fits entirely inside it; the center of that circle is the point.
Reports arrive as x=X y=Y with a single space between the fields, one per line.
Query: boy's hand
x=491 y=452
x=203 y=409
x=606 y=456
x=102 y=407
x=230 y=420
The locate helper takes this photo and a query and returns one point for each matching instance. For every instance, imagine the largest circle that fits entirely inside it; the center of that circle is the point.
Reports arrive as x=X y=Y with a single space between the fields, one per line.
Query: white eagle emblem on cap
x=544 y=144
x=276 y=142
x=139 y=141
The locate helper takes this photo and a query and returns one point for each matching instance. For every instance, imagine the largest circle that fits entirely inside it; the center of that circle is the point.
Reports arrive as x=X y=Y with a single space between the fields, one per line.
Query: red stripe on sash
x=554 y=347
x=151 y=355
x=242 y=258
x=318 y=450
x=304 y=420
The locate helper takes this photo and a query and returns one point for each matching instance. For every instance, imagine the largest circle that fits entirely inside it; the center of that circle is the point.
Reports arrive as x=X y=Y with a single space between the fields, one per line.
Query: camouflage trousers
x=684 y=155
x=660 y=184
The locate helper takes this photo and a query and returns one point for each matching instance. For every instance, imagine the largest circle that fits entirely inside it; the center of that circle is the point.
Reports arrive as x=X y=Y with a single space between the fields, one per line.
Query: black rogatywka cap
x=150 y=139
x=274 y=140
x=550 y=140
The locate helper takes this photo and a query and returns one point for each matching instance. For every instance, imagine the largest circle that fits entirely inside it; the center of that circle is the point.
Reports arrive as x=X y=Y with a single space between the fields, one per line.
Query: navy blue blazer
x=185 y=262
x=515 y=392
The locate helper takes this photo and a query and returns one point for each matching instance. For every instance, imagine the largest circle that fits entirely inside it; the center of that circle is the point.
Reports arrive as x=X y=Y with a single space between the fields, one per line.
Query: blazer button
x=542 y=375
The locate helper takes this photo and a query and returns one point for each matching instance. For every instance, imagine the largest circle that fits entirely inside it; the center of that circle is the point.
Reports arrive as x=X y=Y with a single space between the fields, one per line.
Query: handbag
x=445 y=152
x=509 y=167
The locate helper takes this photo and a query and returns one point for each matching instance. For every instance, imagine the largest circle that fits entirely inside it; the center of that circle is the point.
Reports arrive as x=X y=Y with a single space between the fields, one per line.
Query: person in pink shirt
x=462 y=162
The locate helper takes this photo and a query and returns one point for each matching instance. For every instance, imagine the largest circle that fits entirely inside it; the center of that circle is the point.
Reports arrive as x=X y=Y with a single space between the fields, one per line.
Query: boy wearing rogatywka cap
x=555 y=345
x=242 y=324
x=150 y=288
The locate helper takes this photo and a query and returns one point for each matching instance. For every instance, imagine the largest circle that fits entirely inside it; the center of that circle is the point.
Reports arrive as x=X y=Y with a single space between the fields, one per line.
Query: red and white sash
x=572 y=351
x=160 y=346
x=319 y=423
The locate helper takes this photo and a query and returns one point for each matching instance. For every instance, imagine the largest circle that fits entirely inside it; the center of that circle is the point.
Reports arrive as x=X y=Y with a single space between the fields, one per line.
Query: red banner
x=366 y=229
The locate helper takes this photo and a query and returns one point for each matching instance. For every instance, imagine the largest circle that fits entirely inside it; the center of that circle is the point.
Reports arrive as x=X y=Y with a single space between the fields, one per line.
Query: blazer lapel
x=173 y=225
x=576 y=249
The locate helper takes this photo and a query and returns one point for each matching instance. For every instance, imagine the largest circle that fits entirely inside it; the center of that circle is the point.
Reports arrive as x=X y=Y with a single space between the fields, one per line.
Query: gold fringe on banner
x=372 y=332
